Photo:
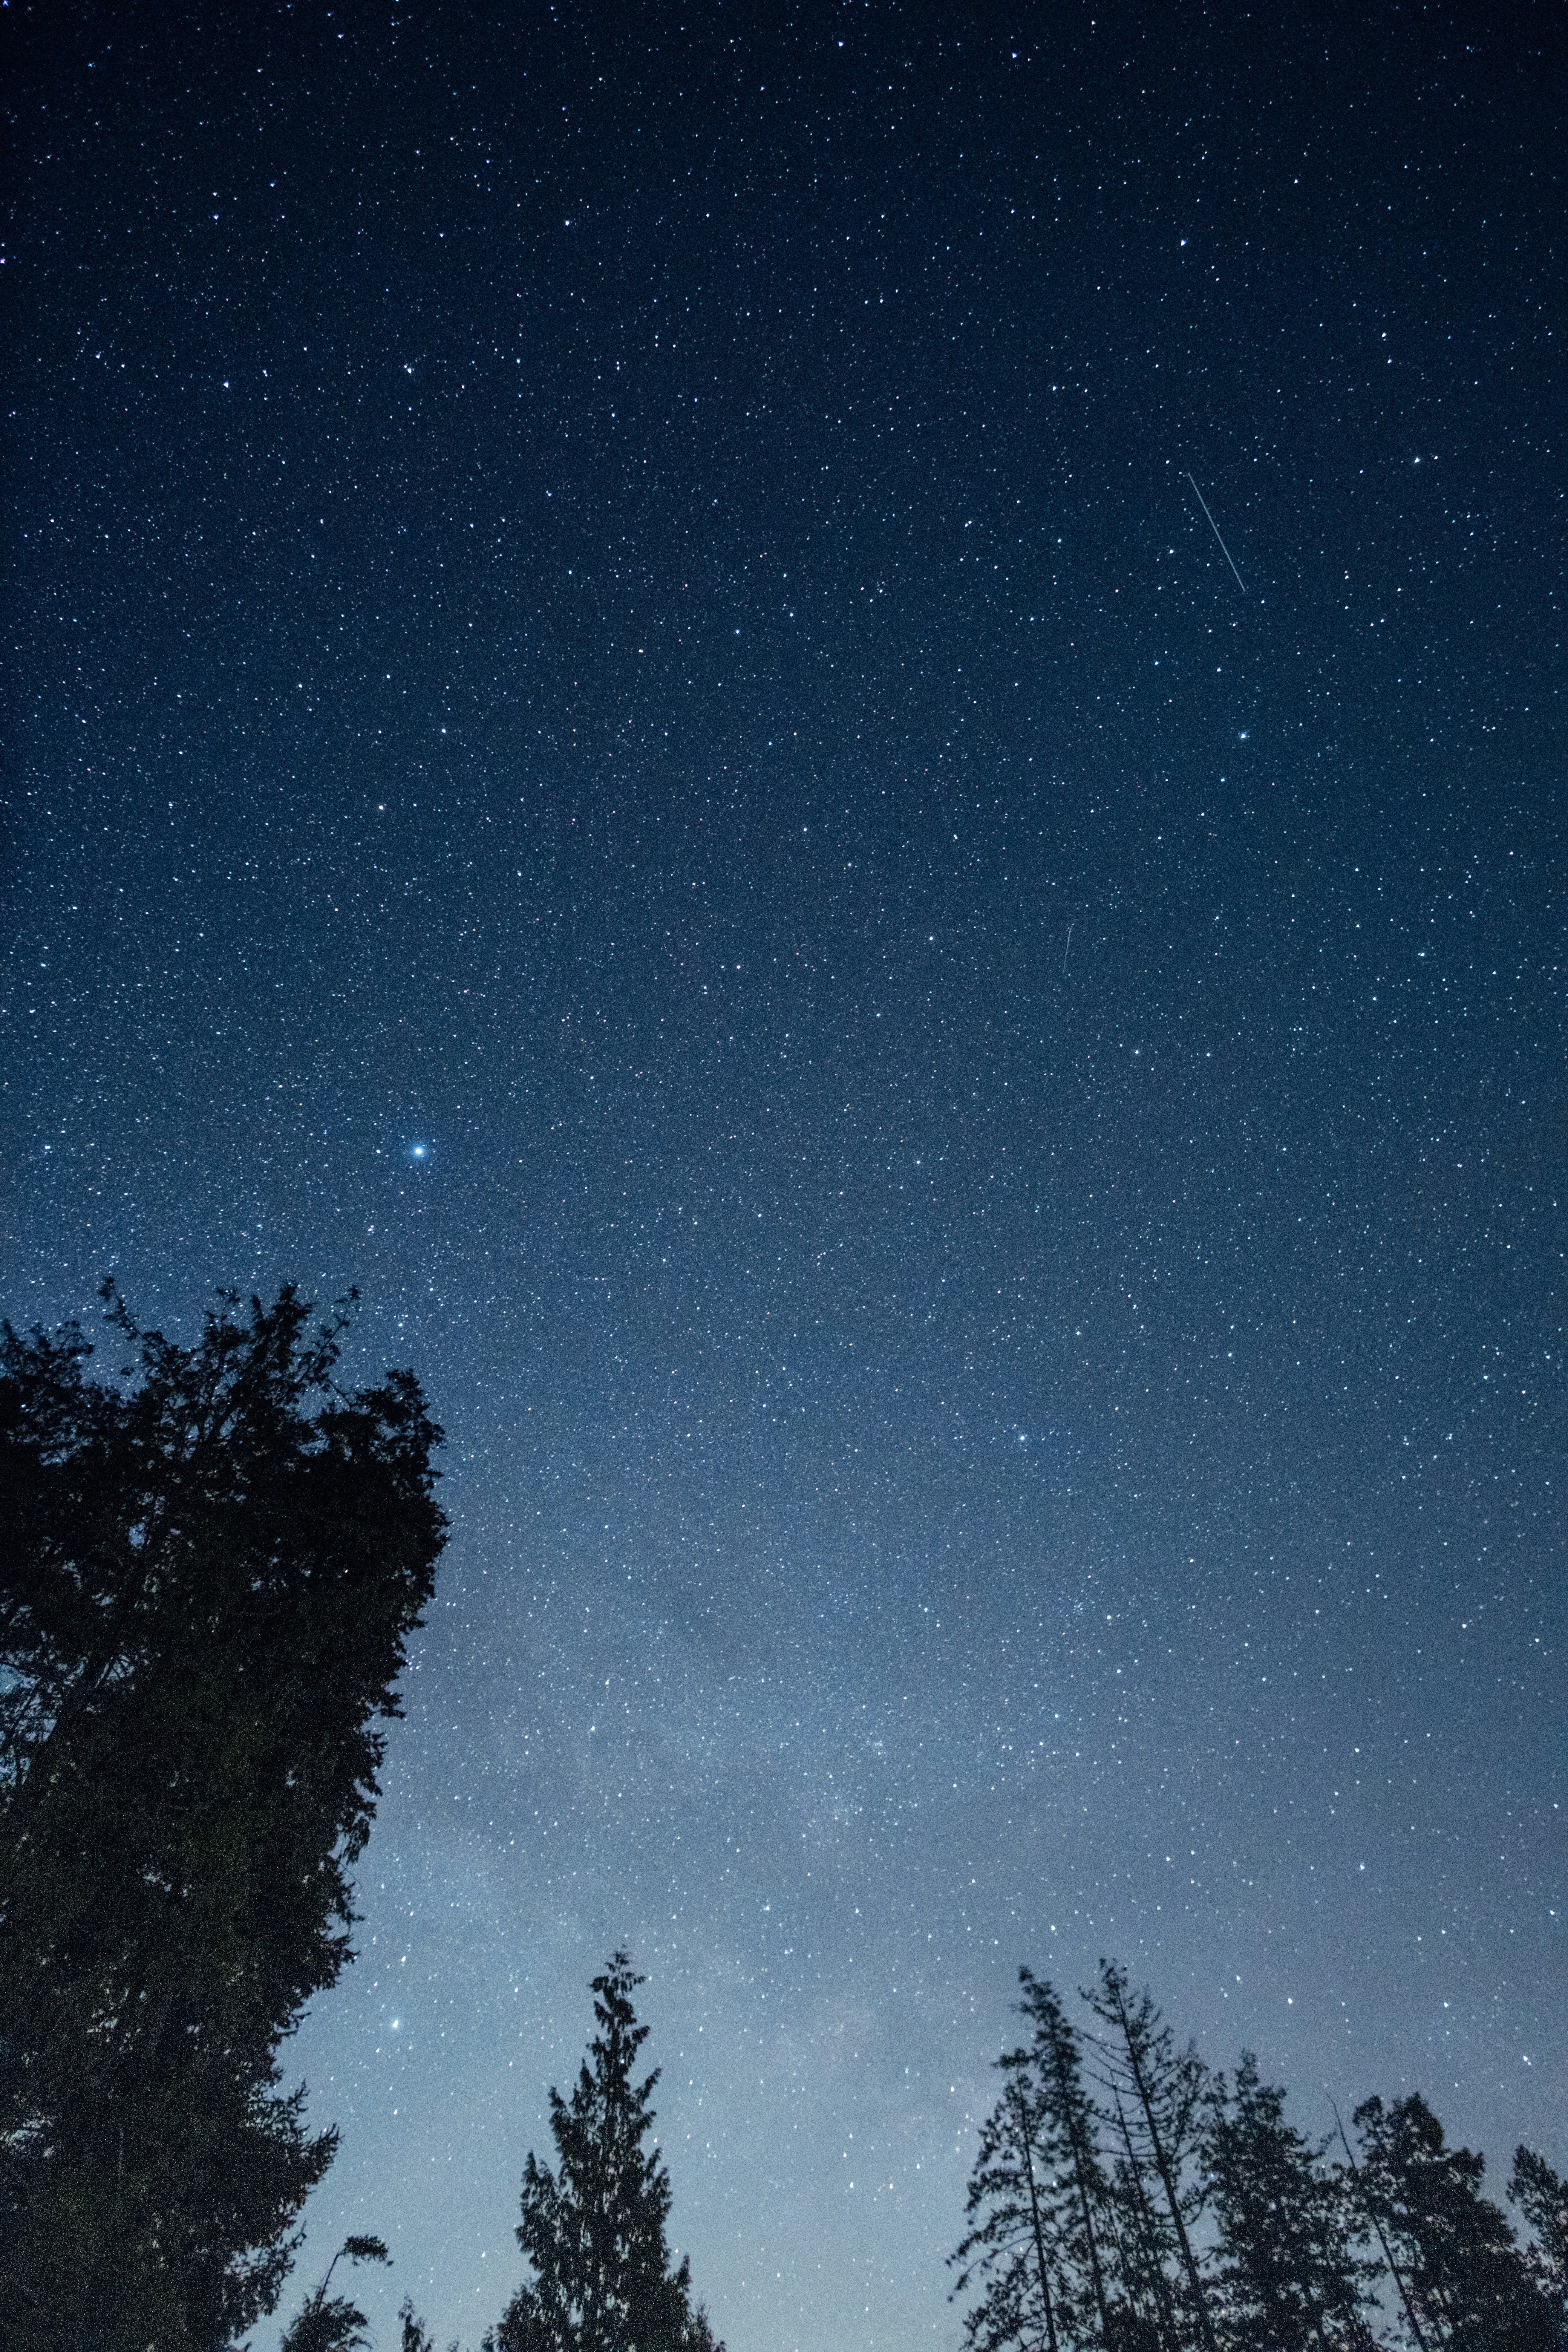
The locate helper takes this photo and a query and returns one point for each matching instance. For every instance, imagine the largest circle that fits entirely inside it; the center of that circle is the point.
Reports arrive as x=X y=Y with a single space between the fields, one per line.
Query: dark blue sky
x=627 y=731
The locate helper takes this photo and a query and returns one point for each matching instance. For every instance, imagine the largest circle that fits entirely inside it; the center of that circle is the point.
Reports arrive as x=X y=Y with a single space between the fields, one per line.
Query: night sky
x=627 y=730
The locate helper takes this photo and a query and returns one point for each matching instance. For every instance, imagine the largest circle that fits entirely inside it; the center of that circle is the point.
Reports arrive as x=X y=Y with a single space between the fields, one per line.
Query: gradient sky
x=627 y=731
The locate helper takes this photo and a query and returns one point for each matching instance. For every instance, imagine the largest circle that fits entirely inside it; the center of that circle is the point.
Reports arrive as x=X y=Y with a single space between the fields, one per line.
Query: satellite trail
x=1222 y=548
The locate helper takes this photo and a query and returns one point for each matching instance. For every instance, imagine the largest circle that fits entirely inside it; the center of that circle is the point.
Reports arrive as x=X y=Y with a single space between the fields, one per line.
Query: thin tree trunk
x=1035 y=2218
x=1080 y=2170
x=1162 y=2284
x=1200 y=2301
x=1395 y=2270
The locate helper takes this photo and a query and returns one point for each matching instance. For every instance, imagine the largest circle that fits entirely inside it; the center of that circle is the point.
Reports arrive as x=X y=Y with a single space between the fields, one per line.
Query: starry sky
x=627 y=731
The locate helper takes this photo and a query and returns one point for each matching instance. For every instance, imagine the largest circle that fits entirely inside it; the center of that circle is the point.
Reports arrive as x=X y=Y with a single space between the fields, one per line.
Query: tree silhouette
x=1057 y=2054
x=210 y=1573
x=413 y=2334
x=333 y=2323
x=594 y=2229
x=1018 y=2205
x=1156 y=2106
x=1288 y=2274
x=1542 y=2199
x=1179 y=2212
x=1146 y=2313
x=1066 y=2245
x=1463 y=2282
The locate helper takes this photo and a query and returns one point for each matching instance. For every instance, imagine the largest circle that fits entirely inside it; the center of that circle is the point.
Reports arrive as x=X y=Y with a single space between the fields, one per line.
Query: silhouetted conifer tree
x=413 y=2334
x=1065 y=2242
x=1287 y=2273
x=207 y=1578
x=1464 y=2285
x=1542 y=2199
x=594 y=2229
x=1017 y=2250
x=1156 y=2094
x=1145 y=2312
x=1058 y=2054
x=334 y=2323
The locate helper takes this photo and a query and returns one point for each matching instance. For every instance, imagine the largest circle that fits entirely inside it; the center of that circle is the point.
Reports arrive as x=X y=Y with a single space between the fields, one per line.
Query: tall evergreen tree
x=208 y=1576
x=1288 y=2274
x=1064 y=2243
x=594 y=2229
x=1464 y=2285
x=415 y=2337
x=1017 y=2249
x=1145 y=2313
x=1388 y=2273
x=1058 y=2060
x=1156 y=2093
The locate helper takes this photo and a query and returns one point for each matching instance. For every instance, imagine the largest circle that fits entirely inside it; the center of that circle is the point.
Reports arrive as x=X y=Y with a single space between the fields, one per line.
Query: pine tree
x=1145 y=2312
x=594 y=2229
x=1181 y=2213
x=1288 y=2275
x=208 y=1577
x=1463 y=2284
x=1542 y=2199
x=1064 y=2241
x=1016 y=2247
x=1059 y=2061
x=1156 y=2109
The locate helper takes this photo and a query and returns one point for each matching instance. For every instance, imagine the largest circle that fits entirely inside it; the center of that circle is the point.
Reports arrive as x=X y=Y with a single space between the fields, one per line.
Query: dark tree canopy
x=1463 y=2282
x=1285 y=2271
x=594 y=2229
x=210 y=1571
x=334 y=2323
x=1542 y=2199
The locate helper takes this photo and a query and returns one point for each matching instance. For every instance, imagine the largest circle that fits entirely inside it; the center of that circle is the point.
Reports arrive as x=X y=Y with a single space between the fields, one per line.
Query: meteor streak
x=1222 y=548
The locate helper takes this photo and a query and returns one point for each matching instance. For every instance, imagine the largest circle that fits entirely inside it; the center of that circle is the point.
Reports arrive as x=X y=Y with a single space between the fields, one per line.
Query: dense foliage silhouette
x=594 y=2229
x=211 y=1569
